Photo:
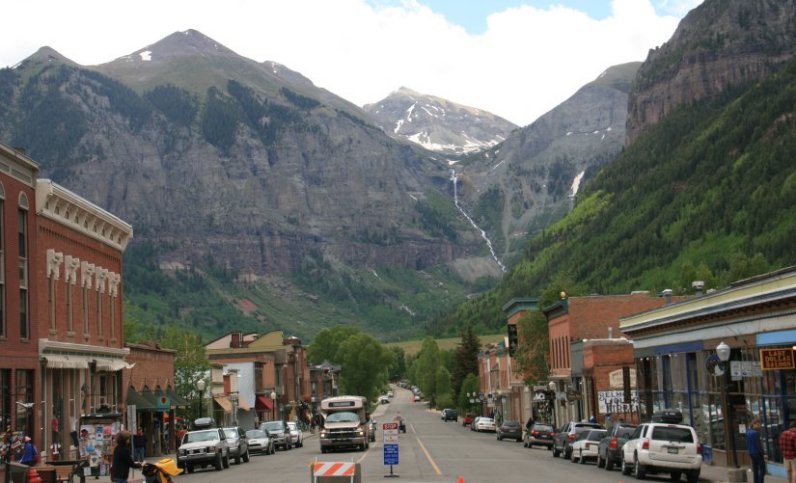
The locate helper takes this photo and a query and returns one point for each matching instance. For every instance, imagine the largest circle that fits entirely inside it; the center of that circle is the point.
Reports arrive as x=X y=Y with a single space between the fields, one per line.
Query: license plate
x=673 y=450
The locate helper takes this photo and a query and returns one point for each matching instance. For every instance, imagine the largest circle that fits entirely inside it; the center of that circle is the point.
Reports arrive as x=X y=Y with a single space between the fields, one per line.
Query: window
x=22 y=238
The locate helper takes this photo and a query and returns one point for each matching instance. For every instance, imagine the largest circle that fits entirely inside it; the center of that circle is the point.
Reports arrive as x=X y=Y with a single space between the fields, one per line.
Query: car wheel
x=625 y=467
x=556 y=452
x=519 y=440
x=567 y=453
x=219 y=464
x=600 y=461
x=572 y=458
x=675 y=476
x=499 y=437
x=189 y=468
x=639 y=471
x=692 y=476
x=237 y=458
x=609 y=464
x=246 y=456
x=226 y=461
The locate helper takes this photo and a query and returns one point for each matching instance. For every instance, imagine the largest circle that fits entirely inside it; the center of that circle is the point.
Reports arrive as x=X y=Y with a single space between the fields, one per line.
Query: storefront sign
x=616 y=379
x=776 y=359
x=614 y=402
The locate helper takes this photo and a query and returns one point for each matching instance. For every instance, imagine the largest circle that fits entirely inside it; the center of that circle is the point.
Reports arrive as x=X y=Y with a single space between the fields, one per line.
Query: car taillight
x=699 y=448
x=571 y=437
x=645 y=444
x=614 y=444
x=535 y=433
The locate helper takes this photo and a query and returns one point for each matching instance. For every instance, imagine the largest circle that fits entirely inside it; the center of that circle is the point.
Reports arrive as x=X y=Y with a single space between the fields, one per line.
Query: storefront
x=678 y=365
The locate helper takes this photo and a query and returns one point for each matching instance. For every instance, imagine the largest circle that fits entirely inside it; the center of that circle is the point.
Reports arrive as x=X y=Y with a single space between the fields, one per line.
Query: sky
x=515 y=58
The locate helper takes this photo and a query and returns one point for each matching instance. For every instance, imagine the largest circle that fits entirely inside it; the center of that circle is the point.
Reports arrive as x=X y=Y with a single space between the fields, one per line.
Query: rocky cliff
x=720 y=44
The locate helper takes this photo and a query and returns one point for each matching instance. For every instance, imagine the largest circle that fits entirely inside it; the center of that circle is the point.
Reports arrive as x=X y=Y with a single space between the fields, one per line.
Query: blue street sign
x=390 y=454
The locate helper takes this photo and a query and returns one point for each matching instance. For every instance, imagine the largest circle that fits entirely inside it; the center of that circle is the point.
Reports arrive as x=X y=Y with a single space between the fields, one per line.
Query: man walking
x=787 y=445
x=755 y=450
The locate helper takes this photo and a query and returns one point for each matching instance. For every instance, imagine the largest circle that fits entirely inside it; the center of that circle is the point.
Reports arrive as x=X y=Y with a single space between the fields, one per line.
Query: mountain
x=707 y=192
x=438 y=124
x=531 y=179
x=721 y=44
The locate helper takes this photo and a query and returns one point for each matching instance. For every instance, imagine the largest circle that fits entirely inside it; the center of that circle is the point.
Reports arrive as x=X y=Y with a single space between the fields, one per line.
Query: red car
x=467 y=419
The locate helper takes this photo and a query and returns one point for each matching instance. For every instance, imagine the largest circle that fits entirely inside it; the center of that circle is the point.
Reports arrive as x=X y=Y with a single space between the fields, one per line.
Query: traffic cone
x=460 y=479
x=33 y=476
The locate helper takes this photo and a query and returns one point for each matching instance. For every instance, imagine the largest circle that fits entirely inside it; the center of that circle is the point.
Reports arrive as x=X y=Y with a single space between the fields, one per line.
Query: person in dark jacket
x=29 y=453
x=139 y=445
x=122 y=459
x=755 y=450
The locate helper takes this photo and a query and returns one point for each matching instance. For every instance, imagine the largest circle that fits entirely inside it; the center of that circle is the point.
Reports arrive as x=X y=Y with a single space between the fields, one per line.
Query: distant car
x=609 y=452
x=384 y=400
x=278 y=432
x=417 y=397
x=467 y=419
x=567 y=434
x=475 y=420
x=296 y=436
x=485 y=424
x=584 y=448
x=663 y=448
x=390 y=394
x=260 y=442
x=449 y=415
x=510 y=430
x=540 y=434
x=372 y=430
x=238 y=444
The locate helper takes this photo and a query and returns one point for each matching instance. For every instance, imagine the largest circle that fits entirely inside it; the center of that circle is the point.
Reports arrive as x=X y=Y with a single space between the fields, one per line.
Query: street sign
x=390 y=454
x=390 y=433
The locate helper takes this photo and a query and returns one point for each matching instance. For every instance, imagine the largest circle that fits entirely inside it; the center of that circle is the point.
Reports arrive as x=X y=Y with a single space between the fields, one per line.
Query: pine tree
x=466 y=358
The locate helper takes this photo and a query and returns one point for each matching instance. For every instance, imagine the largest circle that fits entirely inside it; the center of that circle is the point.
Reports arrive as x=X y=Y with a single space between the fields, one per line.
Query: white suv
x=663 y=448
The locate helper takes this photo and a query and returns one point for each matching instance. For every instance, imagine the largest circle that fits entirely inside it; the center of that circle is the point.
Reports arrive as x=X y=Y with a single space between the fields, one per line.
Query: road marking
x=367 y=452
x=428 y=456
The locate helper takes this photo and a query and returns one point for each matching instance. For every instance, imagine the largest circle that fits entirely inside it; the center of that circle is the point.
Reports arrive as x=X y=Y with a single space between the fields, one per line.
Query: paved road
x=431 y=451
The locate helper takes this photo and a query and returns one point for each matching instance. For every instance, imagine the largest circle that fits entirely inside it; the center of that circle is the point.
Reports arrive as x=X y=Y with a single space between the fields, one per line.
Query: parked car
x=449 y=415
x=475 y=420
x=663 y=448
x=390 y=394
x=260 y=441
x=567 y=434
x=417 y=398
x=584 y=448
x=467 y=419
x=510 y=430
x=372 y=430
x=609 y=452
x=384 y=399
x=540 y=434
x=278 y=431
x=238 y=444
x=296 y=436
x=206 y=447
x=485 y=424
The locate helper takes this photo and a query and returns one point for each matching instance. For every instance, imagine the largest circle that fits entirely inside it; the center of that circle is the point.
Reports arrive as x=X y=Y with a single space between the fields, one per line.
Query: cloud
x=527 y=61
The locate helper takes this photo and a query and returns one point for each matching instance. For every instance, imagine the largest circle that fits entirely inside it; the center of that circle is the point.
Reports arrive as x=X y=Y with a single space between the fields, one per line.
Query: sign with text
x=611 y=402
x=390 y=454
x=617 y=378
x=390 y=433
x=776 y=359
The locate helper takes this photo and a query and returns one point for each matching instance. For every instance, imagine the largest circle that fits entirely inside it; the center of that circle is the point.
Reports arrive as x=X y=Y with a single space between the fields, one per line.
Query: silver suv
x=238 y=443
x=279 y=433
x=206 y=447
x=564 y=437
x=663 y=448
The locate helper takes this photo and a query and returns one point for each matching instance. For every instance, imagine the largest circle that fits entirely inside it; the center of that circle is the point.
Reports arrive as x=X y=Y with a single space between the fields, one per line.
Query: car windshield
x=255 y=433
x=273 y=426
x=342 y=417
x=231 y=433
x=542 y=427
x=197 y=436
x=672 y=433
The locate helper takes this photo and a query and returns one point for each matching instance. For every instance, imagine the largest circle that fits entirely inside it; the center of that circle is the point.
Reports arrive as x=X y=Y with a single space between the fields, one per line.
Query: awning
x=111 y=365
x=264 y=402
x=242 y=405
x=224 y=402
x=149 y=397
x=66 y=361
x=176 y=399
x=133 y=398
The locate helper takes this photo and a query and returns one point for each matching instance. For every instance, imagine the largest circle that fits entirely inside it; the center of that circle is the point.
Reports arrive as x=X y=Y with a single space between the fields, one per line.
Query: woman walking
x=122 y=458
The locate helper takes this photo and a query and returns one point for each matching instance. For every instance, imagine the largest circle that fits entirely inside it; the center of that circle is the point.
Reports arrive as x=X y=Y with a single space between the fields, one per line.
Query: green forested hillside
x=708 y=194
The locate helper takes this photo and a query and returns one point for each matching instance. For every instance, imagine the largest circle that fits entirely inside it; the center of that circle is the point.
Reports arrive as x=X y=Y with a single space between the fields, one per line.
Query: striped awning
x=66 y=361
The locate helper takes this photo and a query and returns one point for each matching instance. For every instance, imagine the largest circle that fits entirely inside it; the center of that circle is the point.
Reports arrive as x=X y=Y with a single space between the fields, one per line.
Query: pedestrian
x=755 y=450
x=592 y=419
x=139 y=445
x=30 y=454
x=787 y=445
x=122 y=459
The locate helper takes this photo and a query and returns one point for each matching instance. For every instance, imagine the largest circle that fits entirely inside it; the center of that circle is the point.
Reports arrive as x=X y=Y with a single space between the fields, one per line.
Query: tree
x=466 y=362
x=442 y=385
x=428 y=361
x=398 y=367
x=469 y=385
x=532 y=353
x=190 y=362
x=326 y=344
x=365 y=365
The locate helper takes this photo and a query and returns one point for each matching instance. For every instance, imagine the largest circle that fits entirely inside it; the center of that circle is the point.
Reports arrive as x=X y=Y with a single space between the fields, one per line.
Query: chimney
x=235 y=343
x=667 y=295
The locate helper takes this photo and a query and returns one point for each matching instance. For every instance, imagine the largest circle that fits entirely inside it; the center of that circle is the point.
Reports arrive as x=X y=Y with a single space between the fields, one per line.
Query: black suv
x=609 y=452
x=562 y=441
x=449 y=415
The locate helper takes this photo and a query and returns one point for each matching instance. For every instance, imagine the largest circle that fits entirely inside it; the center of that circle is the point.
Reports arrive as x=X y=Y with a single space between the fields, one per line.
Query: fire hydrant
x=33 y=476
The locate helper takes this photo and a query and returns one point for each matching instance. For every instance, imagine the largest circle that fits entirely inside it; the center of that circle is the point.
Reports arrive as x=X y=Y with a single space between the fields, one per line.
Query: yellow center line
x=428 y=456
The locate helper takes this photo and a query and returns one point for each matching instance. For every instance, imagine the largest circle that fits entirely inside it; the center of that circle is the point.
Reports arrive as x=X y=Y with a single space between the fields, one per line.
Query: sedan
x=260 y=442
x=296 y=436
x=585 y=446
x=511 y=430
x=485 y=424
x=540 y=434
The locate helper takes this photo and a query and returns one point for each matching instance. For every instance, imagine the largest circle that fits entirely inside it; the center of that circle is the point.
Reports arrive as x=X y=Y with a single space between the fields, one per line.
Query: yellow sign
x=776 y=359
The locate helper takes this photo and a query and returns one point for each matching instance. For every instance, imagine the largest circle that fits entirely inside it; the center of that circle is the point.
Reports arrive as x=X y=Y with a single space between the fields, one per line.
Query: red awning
x=264 y=402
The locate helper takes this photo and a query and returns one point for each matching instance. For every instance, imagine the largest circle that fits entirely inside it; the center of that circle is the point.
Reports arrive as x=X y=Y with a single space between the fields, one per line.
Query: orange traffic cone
x=33 y=476
x=460 y=479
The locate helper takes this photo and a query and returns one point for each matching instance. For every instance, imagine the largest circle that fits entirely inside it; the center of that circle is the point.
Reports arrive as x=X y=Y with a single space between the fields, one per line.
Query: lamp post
x=551 y=401
x=273 y=409
x=200 y=387
x=724 y=352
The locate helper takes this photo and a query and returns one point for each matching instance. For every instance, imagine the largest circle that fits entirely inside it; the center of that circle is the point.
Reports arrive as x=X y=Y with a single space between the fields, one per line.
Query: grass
x=412 y=347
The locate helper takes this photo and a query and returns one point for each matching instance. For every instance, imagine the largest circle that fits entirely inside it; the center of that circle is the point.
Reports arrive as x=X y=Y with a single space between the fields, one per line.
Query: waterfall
x=454 y=179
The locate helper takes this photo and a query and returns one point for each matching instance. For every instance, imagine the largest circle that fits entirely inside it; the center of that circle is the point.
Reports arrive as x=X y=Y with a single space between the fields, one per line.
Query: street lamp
x=200 y=387
x=273 y=408
x=551 y=401
x=724 y=351
x=234 y=399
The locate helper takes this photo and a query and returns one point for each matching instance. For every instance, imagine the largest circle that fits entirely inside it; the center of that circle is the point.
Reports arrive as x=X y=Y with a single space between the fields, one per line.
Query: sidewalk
x=718 y=474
